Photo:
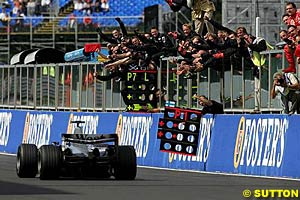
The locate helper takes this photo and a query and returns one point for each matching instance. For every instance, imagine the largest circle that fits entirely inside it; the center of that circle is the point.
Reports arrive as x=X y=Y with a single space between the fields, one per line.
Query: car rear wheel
x=27 y=161
x=49 y=162
x=125 y=167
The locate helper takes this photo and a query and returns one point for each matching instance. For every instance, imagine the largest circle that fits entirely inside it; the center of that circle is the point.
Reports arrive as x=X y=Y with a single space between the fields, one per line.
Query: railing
x=34 y=24
x=71 y=86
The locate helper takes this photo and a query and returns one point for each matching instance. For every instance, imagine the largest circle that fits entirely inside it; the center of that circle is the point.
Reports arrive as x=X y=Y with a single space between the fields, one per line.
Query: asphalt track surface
x=150 y=184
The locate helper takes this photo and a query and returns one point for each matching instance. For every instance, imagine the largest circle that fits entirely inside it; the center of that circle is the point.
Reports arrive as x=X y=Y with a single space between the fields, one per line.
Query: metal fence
x=71 y=86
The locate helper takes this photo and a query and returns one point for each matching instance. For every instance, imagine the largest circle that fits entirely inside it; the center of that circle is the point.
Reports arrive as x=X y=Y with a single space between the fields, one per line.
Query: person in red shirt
x=294 y=15
x=292 y=21
x=87 y=23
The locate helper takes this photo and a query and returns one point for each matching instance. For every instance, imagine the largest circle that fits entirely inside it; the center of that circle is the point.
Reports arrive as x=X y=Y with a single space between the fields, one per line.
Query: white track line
x=224 y=174
x=8 y=154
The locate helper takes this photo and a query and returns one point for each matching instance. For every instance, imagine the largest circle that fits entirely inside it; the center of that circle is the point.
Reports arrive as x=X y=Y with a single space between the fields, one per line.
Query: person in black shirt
x=117 y=35
x=209 y=106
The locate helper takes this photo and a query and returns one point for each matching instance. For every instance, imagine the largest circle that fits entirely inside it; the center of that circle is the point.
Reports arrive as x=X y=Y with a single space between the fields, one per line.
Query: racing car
x=88 y=155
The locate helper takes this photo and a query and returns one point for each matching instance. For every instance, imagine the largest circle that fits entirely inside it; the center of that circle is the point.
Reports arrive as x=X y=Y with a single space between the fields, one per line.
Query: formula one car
x=79 y=155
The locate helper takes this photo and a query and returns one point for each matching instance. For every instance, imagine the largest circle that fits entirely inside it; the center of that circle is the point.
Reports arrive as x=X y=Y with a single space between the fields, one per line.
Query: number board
x=141 y=75
x=179 y=130
x=140 y=89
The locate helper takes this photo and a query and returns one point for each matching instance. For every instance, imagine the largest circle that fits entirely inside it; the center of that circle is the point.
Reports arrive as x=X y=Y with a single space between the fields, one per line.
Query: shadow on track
x=8 y=188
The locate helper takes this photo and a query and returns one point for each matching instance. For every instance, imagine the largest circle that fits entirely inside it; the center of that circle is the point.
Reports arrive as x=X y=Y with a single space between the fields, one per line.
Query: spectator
x=87 y=23
x=294 y=15
x=4 y=17
x=290 y=51
x=287 y=84
x=104 y=6
x=293 y=24
x=16 y=7
x=117 y=36
x=45 y=6
x=188 y=33
x=147 y=35
x=97 y=6
x=285 y=19
x=163 y=44
x=19 y=25
x=72 y=22
x=38 y=7
x=87 y=7
x=287 y=43
x=78 y=5
x=31 y=8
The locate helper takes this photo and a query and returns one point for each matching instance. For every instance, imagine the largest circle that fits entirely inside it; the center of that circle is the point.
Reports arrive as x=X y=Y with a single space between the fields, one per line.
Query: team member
x=209 y=106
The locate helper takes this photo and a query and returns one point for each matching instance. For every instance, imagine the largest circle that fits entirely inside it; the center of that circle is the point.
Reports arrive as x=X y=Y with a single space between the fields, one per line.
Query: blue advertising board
x=45 y=127
x=255 y=144
x=11 y=129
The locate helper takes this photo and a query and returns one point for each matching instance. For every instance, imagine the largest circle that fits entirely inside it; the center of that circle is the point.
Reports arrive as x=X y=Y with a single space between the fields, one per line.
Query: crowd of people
x=197 y=52
x=286 y=83
x=20 y=9
x=219 y=48
x=89 y=6
x=85 y=9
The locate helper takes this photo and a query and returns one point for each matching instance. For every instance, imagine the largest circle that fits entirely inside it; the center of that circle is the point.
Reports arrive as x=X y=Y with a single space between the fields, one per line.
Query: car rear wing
x=89 y=138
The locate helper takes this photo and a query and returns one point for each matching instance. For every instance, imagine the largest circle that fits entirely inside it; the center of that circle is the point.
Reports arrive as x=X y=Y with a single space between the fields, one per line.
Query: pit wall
x=266 y=145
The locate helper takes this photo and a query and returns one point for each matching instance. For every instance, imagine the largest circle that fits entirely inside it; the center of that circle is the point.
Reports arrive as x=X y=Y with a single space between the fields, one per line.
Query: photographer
x=287 y=84
x=249 y=48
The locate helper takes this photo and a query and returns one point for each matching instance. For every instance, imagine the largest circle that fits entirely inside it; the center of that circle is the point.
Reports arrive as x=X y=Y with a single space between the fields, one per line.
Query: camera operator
x=287 y=84
x=250 y=47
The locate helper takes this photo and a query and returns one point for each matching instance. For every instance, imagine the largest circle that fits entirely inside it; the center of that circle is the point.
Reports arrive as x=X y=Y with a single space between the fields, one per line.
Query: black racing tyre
x=125 y=167
x=27 y=161
x=49 y=162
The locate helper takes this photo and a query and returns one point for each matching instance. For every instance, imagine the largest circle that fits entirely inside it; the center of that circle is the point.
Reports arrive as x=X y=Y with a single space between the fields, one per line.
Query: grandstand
x=49 y=28
x=127 y=8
